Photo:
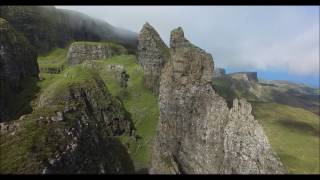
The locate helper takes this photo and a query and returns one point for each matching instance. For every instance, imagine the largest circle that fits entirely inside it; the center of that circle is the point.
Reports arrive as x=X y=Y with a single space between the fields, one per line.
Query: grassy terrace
x=53 y=62
x=139 y=101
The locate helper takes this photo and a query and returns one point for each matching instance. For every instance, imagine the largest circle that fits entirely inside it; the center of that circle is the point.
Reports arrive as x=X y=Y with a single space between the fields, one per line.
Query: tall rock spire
x=153 y=53
x=197 y=132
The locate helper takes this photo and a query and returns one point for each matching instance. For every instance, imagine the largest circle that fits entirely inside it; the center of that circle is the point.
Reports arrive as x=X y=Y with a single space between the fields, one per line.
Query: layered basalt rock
x=84 y=51
x=197 y=132
x=18 y=63
x=152 y=54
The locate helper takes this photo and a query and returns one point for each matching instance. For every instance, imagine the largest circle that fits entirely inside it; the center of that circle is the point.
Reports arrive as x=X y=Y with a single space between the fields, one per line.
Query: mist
x=284 y=39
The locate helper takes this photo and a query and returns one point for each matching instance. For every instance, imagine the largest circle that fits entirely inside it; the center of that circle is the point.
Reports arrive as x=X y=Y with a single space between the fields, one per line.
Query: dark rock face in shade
x=152 y=55
x=47 y=27
x=18 y=63
x=197 y=133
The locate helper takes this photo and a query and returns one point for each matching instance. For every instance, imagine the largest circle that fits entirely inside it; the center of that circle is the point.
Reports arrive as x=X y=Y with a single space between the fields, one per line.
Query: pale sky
x=281 y=39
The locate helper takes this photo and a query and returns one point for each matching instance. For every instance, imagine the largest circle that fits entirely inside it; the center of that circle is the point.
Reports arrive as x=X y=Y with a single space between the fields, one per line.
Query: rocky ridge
x=152 y=54
x=197 y=132
x=245 y=76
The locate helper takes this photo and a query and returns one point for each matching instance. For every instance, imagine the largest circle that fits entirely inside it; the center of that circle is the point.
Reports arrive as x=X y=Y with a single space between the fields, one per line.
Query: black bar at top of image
x=160 y=2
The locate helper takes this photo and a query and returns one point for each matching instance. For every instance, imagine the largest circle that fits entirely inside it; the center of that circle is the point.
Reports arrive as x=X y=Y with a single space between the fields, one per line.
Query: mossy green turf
x=293 y=134
x=140 y=102
x=53 y=60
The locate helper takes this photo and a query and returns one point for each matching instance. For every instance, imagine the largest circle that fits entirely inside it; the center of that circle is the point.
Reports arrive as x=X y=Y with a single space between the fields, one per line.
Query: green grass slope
x=138 y=101
x=53 y=62
x=293 y=134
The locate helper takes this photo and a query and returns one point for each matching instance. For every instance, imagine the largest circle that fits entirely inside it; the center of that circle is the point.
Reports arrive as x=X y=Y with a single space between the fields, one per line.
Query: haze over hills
x=80 y=96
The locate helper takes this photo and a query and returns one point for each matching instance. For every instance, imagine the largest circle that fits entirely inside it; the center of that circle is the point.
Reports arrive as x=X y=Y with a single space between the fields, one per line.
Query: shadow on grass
x=301 y=127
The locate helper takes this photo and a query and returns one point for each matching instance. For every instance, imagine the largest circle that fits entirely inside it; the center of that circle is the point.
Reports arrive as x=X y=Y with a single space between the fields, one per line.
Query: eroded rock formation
x=152 y=55
x=18 y=63
x=197 y=132
x=84 y=51
x=73 y=129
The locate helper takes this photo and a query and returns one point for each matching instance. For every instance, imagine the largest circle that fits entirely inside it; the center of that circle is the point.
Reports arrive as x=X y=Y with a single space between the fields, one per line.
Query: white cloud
x=283 y=38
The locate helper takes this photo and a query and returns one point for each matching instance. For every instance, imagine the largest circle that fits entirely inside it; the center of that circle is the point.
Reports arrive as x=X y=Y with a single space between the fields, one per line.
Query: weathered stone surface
x=197 y=132
x=152 y=54
x=83 y=51
x=18 y=62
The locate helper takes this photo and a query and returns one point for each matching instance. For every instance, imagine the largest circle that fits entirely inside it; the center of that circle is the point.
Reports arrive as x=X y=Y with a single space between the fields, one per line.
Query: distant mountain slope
x=235 y=85
x=47 y=27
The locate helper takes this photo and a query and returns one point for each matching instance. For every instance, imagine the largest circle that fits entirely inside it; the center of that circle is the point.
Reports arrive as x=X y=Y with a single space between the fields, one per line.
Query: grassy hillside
x=138 y=101
x=48 y=27
x=293 y=134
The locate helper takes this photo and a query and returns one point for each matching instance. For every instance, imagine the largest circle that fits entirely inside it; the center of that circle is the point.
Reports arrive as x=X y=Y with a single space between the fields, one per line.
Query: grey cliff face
x=197 y=132
x=152 y=55
x=18 y=62
x=79 y=52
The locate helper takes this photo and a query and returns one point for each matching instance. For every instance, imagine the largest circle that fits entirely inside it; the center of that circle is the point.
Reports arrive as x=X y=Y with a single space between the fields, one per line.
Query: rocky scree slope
x=72 y=130
x=47 y=27
x=197 y=132
x=18 y=63
x=152 y=54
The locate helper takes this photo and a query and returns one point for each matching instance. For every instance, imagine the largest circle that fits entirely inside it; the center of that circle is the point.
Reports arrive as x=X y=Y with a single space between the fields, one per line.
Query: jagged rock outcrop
x=197 y=132
x=73 y=129
x=245 y=76
x=217 y=72
x=18 y=63
x=84 y=51
x=152 y=54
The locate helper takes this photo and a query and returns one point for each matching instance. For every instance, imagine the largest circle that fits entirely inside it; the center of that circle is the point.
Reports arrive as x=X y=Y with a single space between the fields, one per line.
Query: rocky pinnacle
x=197 y=133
